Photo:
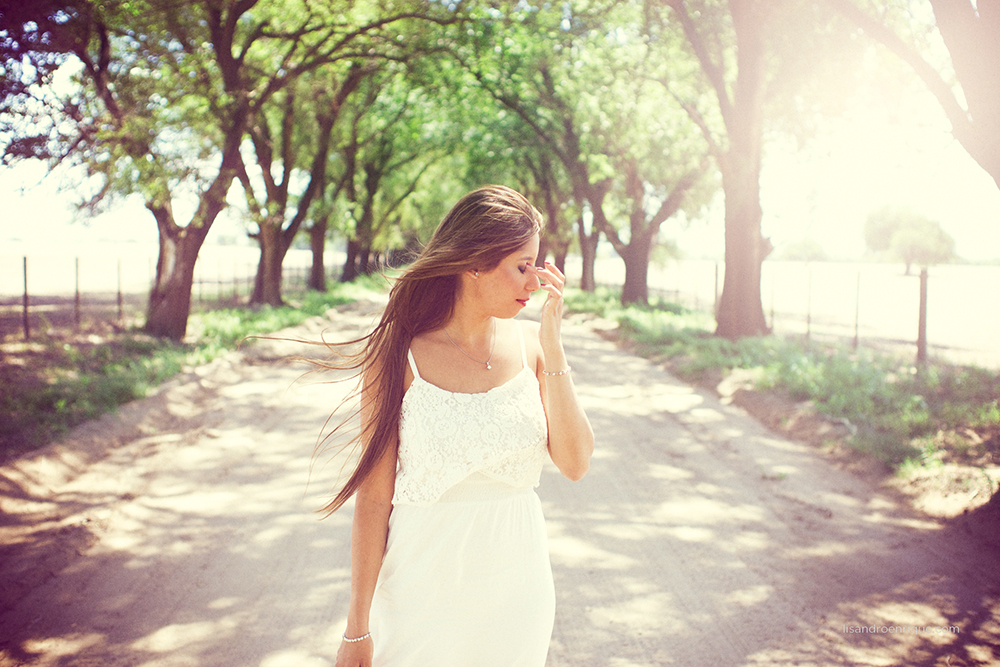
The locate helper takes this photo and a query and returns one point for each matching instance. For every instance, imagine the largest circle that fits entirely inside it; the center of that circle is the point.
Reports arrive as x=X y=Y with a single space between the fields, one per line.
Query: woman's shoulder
x=528 y=326
x=529 y=329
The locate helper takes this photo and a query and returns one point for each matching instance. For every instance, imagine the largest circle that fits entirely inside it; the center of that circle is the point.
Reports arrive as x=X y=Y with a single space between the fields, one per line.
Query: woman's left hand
x=550 y=334
x=571 y=439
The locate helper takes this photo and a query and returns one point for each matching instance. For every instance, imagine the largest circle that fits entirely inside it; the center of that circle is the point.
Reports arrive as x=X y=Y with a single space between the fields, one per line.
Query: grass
x=903 y=415
x=63 y=378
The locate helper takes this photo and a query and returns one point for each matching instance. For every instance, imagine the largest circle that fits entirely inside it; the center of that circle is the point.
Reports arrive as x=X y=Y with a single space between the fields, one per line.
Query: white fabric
x=446 y=436
x=466 y=579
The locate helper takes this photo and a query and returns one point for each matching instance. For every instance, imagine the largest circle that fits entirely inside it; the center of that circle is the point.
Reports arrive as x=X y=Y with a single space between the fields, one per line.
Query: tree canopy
x=621 y=120
x=909 y=236
x=967 y=83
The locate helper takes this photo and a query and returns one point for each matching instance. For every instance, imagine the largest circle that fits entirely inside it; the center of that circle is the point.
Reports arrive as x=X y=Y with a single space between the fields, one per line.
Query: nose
x=534 y=283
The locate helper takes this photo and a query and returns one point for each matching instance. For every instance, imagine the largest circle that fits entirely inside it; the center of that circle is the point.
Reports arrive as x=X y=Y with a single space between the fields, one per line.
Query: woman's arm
x=370 y=528
x=571 y=439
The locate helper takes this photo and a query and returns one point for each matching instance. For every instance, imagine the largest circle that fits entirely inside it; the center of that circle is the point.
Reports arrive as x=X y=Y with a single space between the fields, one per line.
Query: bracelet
x=358 y=639
x=562 y=372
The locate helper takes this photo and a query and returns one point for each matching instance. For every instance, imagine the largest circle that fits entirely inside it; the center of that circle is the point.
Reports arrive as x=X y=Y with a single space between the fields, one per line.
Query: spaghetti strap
x=413 y=364
x=524 y=353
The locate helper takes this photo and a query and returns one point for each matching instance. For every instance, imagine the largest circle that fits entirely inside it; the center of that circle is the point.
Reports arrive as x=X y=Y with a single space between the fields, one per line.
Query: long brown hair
x=480 y=230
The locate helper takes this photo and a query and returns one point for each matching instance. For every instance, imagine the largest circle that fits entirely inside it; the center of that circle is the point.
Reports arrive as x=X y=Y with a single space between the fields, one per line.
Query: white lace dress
x=466 y=579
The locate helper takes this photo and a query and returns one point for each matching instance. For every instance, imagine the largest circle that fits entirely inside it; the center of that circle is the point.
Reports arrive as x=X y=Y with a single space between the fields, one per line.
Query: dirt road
x=181 y=533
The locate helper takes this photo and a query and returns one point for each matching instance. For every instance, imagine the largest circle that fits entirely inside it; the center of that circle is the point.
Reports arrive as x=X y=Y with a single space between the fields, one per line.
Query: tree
x=499 y=147
x=879 y=228
x=908 y=236
x=968 y=92
x=804 y=250
x=394 y=140
x=317 y=228
x=131 y=124
x=752 y=63
x=167 y=92
x=303 y=123
x=730 y=46
x=586 y=100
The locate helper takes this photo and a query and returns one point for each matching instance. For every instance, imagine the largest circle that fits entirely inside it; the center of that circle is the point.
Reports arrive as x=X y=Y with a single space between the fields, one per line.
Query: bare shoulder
x=530 y=326
x=532 y=346
x=530 y=329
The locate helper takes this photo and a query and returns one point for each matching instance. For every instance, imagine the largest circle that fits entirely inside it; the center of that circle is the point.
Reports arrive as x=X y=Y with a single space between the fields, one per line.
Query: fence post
x=76 y=296
x=121 y=301
x=857 y=309
x=772 y=298
x=27 y=325
x=715 y=294
x=809 y=296
x=922 y=319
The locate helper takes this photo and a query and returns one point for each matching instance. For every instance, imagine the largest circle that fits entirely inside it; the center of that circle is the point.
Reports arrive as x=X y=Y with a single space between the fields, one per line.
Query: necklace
x=492 y=349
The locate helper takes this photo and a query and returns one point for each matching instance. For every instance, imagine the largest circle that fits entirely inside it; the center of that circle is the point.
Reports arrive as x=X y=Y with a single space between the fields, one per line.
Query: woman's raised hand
x=553 y=281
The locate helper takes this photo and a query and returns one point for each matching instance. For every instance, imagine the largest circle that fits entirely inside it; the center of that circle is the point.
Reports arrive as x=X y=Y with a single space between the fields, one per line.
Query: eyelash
x=522 y=268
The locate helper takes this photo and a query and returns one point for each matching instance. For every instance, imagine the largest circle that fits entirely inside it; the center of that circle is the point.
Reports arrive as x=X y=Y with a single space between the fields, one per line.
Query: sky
x=872 y=156
x=826 y=191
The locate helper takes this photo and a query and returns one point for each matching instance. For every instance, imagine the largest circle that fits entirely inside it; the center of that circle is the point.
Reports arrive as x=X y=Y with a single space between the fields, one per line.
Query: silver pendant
x=488 y=367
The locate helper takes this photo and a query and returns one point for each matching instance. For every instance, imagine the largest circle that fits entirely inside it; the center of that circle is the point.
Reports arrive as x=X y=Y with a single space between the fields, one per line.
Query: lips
x=523 y=302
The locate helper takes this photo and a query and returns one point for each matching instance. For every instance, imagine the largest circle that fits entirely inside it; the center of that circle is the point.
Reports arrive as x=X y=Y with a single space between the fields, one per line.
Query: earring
x=477 y=274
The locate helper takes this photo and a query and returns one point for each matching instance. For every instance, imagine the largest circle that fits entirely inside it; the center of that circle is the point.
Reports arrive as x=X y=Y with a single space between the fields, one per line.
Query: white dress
x=466 y=579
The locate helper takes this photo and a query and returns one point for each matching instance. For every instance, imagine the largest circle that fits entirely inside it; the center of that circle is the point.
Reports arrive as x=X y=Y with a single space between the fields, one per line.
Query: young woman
x=460 y=406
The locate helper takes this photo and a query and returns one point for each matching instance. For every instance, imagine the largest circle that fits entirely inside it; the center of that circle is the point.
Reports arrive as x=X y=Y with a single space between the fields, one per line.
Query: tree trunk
x=543 y=250
x=317 y=243
x=559 y=257
x=636 y=287
x=267 y=286
x=170 y=298
x=588 y=255
x=351 y=263
x=741 y=312
x=364 y=259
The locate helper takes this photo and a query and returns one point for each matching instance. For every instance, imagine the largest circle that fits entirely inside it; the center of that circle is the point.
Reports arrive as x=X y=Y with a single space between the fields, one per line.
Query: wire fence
x=875 y=305
x=42 y=293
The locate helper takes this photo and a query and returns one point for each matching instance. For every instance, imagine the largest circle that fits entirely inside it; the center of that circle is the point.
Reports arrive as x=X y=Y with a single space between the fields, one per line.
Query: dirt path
x=180 y=533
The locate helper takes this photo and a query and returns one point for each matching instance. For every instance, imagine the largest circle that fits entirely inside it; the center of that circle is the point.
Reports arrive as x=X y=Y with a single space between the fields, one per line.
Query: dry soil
x=182 y=532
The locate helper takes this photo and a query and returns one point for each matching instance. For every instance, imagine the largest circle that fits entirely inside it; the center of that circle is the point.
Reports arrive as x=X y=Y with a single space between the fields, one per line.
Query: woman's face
x=505 y=290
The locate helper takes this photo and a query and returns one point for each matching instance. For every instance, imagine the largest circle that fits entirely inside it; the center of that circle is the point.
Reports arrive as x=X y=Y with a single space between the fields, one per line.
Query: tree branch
x=931 y=77
x=713 y=71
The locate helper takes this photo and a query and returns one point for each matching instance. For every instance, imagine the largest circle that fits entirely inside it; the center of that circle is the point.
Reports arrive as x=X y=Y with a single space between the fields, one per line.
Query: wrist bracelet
x=358 y=639
x=562 y=372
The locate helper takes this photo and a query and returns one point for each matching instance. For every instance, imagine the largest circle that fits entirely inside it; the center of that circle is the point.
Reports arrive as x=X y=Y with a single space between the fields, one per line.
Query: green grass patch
x=900 y=411
x=62 y=378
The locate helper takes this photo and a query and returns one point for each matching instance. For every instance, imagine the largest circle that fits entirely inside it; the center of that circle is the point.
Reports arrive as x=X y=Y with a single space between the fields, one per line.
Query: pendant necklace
x=492 y=349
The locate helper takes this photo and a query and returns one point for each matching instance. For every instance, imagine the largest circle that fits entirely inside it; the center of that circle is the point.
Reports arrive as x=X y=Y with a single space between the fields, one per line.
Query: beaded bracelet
x=358 y=639
x=562 y=372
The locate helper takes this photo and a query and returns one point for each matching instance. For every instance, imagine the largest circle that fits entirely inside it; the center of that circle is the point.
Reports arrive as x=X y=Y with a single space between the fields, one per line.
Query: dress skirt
x=466 y=581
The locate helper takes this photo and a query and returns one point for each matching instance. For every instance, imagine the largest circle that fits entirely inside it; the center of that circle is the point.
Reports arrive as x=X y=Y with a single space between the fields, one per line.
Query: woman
x=460 y=405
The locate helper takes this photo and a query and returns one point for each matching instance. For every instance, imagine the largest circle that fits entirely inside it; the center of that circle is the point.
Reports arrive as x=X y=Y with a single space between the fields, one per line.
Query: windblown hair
x=481 y=229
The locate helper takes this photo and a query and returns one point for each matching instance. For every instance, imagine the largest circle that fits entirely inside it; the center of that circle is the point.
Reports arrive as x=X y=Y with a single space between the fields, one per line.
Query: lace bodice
x=446 y=436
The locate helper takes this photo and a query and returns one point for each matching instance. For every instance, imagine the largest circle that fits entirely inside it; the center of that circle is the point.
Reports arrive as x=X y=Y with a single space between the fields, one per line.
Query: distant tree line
x=365 y=120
